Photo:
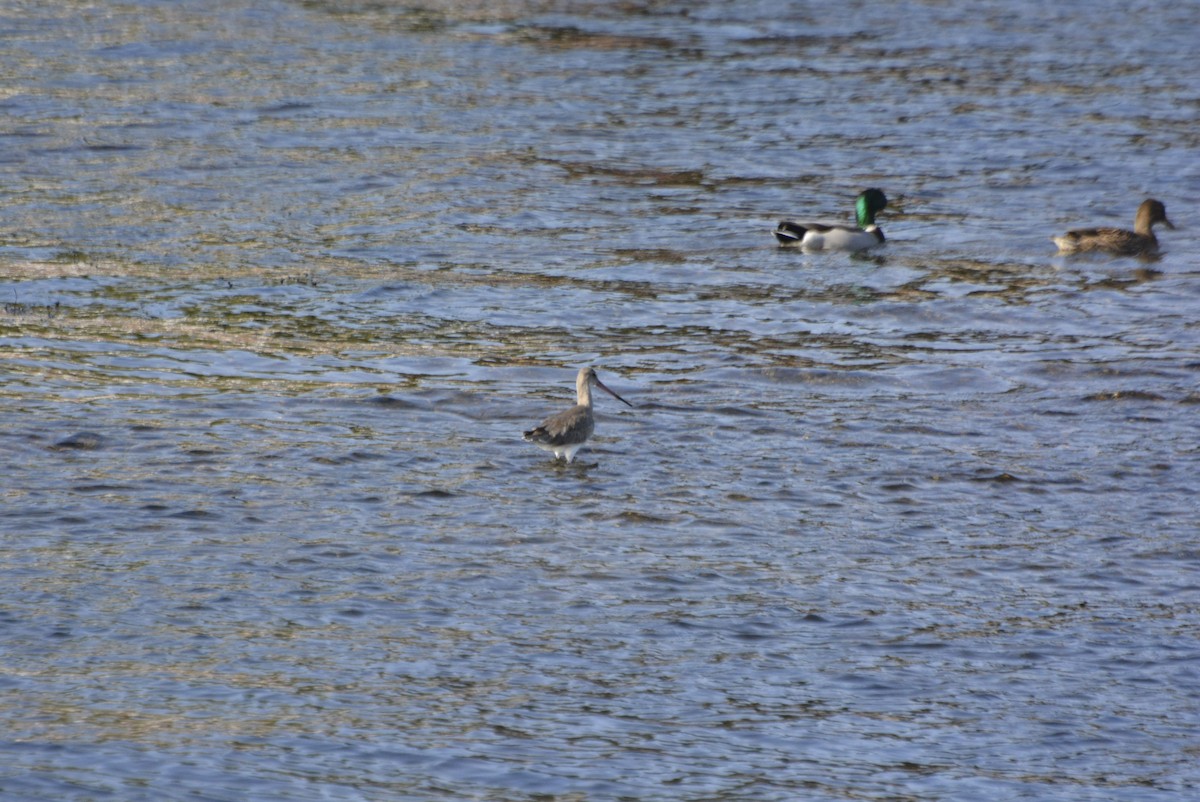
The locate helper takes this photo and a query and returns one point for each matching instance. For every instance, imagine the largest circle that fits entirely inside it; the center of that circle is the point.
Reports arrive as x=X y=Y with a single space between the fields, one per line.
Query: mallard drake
x=822 y=237
x=1118 y=240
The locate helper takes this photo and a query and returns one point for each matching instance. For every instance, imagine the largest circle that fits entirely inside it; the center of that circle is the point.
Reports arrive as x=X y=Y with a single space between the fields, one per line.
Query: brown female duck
x=1140 y=241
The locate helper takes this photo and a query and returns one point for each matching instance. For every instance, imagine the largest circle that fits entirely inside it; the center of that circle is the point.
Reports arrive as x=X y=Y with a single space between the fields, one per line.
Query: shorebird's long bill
x=600 y=384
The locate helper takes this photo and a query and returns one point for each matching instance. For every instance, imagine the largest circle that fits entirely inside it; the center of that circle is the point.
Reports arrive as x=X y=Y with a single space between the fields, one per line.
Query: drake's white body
x=819 y=237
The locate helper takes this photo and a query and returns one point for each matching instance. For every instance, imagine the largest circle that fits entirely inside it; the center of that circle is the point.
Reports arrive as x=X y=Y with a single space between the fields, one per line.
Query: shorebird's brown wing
x=572 y=426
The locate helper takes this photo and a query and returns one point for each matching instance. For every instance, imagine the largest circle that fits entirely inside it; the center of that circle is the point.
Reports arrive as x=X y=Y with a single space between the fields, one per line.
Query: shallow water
x=283 y=283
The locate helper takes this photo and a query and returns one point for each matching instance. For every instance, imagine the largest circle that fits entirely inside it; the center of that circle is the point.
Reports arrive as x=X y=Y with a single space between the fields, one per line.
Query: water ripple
x=283 y=285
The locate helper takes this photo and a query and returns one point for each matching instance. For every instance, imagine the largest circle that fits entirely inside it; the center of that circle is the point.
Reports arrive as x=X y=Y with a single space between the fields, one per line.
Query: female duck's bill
x=565 y=433
x=826 y=237
x=1120 y=241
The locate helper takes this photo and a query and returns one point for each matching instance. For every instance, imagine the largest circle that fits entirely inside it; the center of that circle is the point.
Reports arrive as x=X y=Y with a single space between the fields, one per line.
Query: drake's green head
x=870 y=203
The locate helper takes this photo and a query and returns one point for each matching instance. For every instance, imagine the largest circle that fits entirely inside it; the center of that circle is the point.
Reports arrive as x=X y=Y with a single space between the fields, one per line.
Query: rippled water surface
x=283 y=282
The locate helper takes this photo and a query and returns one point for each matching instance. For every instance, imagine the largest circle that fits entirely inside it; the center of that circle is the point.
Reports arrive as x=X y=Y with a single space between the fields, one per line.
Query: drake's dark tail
x=788 y=233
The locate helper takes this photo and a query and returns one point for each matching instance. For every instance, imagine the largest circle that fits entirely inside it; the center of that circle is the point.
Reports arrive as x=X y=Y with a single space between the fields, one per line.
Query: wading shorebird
x=824 y=237
x=1140 y=241
x=566 y=432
